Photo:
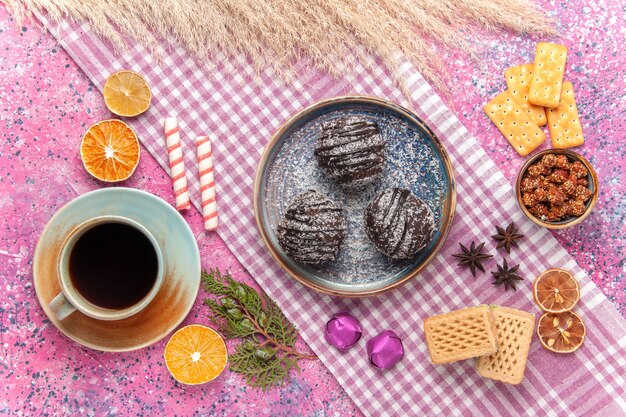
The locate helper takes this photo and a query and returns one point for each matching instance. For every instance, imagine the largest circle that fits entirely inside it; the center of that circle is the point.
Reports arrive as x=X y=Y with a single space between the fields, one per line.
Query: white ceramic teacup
x=69 y=299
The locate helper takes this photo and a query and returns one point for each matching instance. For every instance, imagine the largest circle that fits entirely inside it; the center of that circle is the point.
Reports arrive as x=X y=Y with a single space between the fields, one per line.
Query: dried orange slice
x=195 y=354
x=110 y=151
x=562 y=332
x=127 y=93
x=556 y=291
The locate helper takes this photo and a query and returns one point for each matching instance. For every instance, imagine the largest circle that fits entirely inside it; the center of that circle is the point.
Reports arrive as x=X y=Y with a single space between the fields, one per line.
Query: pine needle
x=330 y=35
x=267 y=354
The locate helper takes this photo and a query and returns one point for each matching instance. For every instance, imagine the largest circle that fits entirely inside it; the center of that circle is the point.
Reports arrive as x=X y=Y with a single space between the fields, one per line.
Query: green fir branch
x=267 y=354
x=278 y=326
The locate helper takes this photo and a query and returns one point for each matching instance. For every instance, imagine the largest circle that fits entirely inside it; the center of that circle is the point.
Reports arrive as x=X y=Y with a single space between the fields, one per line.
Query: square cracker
x=514 y=331
x=563 y=121
x=514 y=123
x=460 y=334
x=518 y=82
x=548 y=70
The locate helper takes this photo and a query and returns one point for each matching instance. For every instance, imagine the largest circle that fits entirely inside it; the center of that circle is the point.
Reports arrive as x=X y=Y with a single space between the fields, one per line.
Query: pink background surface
x=46 y=103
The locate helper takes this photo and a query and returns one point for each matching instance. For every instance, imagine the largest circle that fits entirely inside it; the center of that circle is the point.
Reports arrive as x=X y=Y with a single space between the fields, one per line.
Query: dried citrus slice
x=561 y=332
x=556 y=291
x=127 y=93
x=110 y=151
x=195 y=354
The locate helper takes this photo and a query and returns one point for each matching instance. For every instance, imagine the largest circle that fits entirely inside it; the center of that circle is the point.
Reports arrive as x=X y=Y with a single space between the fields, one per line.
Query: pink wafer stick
x=177 y=165
x=207 y=182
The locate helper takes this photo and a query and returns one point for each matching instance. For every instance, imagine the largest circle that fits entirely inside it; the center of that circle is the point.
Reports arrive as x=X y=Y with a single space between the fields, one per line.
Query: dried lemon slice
x=195 y=354
x=562 y=332
x=556 y=291
x=127 y=93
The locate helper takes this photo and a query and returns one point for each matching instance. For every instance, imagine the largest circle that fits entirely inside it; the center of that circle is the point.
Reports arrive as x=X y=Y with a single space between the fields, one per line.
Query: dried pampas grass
x=327 y=34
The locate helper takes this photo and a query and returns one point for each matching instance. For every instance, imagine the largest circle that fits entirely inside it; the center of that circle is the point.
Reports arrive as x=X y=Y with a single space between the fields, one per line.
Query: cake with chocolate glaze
x=351 y=150
x=398 y=223
x=312 y=229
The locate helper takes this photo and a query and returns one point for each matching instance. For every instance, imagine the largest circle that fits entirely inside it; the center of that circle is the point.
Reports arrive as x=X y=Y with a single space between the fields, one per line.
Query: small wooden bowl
x=592 y=179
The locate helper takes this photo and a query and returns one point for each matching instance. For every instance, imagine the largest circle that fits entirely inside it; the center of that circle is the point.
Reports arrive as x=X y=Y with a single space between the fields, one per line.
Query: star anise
x=505 y=276
x=472 y=257
x=508 y=237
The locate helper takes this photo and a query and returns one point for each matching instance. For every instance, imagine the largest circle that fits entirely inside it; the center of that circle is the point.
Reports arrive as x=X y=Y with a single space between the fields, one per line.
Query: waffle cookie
x=514 y=329
x=461 y=334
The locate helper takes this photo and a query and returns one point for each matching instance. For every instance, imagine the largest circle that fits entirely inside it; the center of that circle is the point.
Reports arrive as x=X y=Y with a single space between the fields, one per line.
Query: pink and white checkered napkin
x=241 y=111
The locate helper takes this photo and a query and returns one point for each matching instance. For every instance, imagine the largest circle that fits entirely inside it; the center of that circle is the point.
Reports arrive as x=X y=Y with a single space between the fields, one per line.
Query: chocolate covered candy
x=398 y=223
x=351 y=150
x=312 y=229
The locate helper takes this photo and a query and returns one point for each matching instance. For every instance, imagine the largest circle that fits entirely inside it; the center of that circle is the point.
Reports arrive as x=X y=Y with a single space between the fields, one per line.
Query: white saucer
x=181 y=266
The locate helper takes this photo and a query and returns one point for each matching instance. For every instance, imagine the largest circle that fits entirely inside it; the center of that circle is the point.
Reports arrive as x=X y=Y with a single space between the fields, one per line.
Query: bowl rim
x=575 y=220
x=446 y=218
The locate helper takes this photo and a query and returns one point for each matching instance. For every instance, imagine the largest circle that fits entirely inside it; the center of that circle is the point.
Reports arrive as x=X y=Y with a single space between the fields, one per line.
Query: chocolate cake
x=351 y=150
x=398 y=223
x=312 y=229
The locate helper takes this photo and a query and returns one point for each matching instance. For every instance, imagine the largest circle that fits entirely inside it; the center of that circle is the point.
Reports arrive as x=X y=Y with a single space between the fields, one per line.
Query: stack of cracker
x=536 y=95
x=498 y=337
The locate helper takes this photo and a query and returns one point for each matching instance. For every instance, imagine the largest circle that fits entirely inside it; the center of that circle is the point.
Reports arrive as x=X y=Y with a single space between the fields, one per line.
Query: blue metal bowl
x=415 y=159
